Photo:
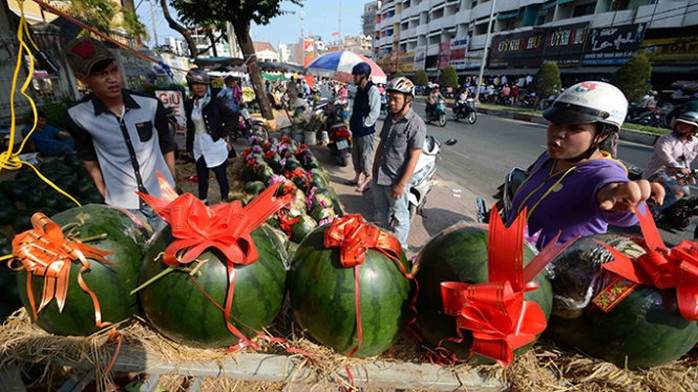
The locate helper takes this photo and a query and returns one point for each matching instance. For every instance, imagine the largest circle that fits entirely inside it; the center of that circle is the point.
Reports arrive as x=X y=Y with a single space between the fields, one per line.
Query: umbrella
x=339 y=65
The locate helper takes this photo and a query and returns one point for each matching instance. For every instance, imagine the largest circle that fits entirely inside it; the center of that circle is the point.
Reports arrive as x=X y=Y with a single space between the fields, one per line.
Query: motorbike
x=437 y=113
x=422 y=178
x=249 y=126
x=465 y=110
x=645 y=116
x=339 y=135
x=504 y=196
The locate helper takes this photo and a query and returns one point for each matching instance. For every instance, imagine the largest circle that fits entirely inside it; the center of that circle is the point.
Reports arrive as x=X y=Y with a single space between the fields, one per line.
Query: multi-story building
x=360 y=44
x=265 y=52
x=585 y=37
x=368 y=19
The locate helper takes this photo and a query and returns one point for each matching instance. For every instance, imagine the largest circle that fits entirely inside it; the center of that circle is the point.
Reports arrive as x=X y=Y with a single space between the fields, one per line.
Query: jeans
x=393 y=214
x=148 y=215
x=674 y=191
x=219 y=171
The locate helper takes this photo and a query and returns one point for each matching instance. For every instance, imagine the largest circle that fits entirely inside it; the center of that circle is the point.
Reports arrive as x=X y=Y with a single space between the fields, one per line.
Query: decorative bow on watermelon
x=661 y=267
x=496 y=312
x=226 y=227
x=44 y=251
x=354 y=238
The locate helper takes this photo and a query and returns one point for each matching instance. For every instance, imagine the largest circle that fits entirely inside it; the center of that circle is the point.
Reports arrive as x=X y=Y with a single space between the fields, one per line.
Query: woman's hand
x=618 y=196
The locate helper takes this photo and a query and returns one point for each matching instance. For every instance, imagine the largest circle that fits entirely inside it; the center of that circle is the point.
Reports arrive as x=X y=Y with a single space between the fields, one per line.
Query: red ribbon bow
x=226 y=227
x=286 y=221
x=496 y=312
x=661 y=267
x=354 y=238
x=44 y=251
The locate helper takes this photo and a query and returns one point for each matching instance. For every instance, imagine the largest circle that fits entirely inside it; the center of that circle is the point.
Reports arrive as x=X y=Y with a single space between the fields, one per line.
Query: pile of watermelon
x=269 y=161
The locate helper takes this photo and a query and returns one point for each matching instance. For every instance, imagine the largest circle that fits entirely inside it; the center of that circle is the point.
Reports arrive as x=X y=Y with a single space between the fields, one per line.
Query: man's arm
x=170 y=161
x=399 y=188
x=376 y=159
x=167 y=143
x=96 y=174
x=374 y=102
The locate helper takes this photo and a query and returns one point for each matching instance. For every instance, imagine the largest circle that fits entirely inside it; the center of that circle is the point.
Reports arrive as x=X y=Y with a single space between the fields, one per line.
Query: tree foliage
x=240 y=13
x=449 y=77
x=398 y=74
x=547 y=81
x=421 y=78
x=133 y=26
x=632 y=78
x=96 y=13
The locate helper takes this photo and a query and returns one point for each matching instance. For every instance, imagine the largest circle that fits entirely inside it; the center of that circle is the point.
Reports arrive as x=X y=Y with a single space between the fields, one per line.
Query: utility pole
x=152 y=17
x=484 y=54
x=302 y=25
x=340 y=19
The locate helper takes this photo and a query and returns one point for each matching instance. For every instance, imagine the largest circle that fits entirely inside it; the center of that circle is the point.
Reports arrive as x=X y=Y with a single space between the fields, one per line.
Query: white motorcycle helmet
x=589 y=102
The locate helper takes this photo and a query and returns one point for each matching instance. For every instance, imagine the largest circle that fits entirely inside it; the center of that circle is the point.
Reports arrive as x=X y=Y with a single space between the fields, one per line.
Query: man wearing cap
x=122 y=137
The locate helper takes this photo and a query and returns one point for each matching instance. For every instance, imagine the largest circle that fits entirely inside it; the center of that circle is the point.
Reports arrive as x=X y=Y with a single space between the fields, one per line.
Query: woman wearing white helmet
x=672 y=157
x=576 y=187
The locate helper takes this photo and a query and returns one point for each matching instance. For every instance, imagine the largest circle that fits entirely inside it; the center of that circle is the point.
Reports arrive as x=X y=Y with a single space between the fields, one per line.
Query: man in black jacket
x=367 y=106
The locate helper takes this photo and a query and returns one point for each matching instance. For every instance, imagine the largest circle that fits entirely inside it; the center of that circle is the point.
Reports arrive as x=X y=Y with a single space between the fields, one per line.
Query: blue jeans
x=149 y=216
x=392 y=214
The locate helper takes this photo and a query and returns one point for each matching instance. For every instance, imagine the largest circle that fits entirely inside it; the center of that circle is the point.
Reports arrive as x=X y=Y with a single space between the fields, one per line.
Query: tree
x=420 y=78
x=133 y=27
x=632 y=78
x=449 y=77
x=240 y=13
x=96 y=13
x=399 y=74
x=547 y=81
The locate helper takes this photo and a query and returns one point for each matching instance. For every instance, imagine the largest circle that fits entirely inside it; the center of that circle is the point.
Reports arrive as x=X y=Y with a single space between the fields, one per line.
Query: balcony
x=422 y=29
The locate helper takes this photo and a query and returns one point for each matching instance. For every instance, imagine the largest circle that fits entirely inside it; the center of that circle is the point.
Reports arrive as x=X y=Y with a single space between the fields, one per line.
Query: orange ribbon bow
x=354 y=238
x=661 y=267
x=496 y=312
x=44 y=251
x=226 y=227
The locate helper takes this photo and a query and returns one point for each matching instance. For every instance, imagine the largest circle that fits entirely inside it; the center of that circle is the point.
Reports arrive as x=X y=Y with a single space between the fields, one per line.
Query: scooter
x=438 y=113
x=422 y=178
x=249 y=126
x=465 y=110
x=340 y=137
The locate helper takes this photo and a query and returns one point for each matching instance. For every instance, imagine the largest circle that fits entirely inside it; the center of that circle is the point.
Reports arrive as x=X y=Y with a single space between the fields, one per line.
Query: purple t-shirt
x=571 y=206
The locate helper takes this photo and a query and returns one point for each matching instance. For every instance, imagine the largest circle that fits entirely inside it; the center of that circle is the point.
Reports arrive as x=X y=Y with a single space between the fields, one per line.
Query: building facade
x=368 y=19
x=584 y=37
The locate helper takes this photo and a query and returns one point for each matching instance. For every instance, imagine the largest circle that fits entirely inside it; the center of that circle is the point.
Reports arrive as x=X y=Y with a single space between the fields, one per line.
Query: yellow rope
x=10 y=159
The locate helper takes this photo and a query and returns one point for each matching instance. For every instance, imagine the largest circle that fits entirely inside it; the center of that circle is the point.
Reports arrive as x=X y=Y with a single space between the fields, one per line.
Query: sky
x=321 y=17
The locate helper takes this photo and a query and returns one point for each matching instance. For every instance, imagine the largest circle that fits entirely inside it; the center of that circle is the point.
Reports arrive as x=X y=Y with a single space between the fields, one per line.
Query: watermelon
x=320 y=213
x=126 y=237
x=459 y=254
x=302 y=228
x=177 y=308
x=323 y=297
x=9 y=293
x=644 y=329
x=255 y=187
x=7 y=214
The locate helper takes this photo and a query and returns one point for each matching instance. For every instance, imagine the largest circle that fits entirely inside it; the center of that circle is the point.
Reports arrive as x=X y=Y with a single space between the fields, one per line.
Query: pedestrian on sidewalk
x=122 y=137
x=209 y=122
x=401 y=142
x=367 y=107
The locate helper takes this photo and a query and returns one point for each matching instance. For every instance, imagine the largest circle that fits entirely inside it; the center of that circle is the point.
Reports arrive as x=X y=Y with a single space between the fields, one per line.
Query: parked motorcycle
x=437 y=113
x=422 y=178
x=465 y=111
x=249 y=126
x=340 y=137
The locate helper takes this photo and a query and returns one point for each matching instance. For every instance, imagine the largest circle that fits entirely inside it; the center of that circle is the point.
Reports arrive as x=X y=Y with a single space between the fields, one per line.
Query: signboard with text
x=517 y=50
x=420 y=56
x=458 y=50
x=407 y=62
x=174 y=100
x=677 y=49
x=565 y=44
x=613 y=45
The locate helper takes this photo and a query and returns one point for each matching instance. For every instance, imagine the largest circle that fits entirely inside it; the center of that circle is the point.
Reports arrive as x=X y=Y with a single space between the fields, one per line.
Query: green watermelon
x=459 y=254
x=255 y=187
x=644 y=329
x=15 y=190
x=177 y=308
x=302 y=228
x=112 y=285
x=7 y=214
x=9 y=293
x=323 y=297
x=320 y=213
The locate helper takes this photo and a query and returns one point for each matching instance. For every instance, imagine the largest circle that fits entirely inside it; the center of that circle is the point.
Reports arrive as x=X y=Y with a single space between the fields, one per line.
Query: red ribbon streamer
x=286 y=221
x=226 y=227
x=354 y=238
x=46 y=252
x=661 y=267
x=500 y=319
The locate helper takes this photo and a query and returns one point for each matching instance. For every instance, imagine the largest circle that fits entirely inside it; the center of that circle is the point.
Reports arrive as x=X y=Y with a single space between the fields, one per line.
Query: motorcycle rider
x=432 y=99
x=401 y=142
x=672 y=157
x=576 y=187
x=364 y=114
x=462 y=99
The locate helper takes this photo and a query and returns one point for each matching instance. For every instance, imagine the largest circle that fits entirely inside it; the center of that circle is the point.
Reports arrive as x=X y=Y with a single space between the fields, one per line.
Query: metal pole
x=484 y=53
x=340 y=19
x=152 y=16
